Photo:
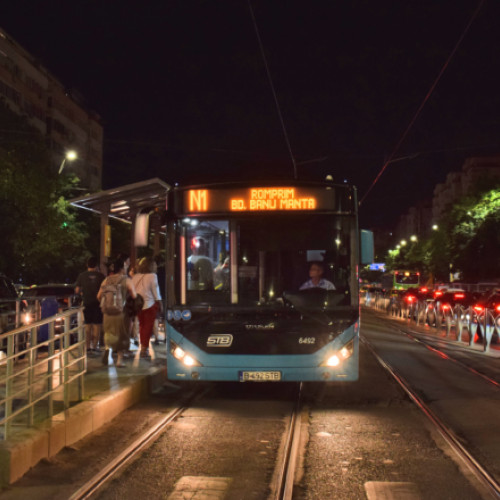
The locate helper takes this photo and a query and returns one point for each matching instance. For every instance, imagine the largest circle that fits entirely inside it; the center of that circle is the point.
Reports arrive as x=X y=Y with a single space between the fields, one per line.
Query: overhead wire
x=426 y=98
x=294 y=163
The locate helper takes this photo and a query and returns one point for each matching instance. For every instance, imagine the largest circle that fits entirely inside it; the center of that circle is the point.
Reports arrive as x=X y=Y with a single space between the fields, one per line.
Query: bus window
x=274 y=255
x=207 y=256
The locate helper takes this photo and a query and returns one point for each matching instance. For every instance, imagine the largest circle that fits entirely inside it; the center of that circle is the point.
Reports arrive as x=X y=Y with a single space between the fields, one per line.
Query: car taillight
x=459 y=295
x=446 y=307
x=424 y=289
x=497 y=308
x=438 y=294
x=478 y=309
x=410 y=298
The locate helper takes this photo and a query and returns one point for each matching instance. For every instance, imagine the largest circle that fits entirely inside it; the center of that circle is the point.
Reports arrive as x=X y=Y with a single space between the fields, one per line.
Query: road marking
x=378 y=490
x=206 y=487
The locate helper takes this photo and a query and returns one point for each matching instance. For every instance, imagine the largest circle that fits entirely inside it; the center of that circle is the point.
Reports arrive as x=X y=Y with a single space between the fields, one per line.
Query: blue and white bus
x=237 y=258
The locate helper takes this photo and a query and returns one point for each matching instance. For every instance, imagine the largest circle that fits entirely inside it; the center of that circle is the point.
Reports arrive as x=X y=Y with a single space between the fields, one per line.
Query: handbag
x=133 y=306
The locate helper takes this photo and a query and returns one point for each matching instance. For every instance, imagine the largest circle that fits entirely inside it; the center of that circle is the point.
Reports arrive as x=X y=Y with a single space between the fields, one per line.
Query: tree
x=468 y=241
x=42 y=240
x=475 y=237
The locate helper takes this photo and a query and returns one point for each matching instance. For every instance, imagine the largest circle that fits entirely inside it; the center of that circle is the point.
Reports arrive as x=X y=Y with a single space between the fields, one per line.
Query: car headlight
x=179 y=353
x=341 y=355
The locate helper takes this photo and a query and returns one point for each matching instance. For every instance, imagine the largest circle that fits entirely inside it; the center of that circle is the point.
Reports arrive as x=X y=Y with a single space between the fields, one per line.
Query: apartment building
x=418 y=220
x=459 y=184
x=30 y=90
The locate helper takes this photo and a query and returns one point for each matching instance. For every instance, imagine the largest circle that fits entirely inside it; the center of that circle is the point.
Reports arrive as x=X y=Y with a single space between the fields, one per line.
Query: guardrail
x=41 y=375
x=474 y=327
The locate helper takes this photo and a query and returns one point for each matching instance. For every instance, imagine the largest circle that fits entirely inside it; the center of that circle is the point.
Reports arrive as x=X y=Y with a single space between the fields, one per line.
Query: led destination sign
x=258 y=199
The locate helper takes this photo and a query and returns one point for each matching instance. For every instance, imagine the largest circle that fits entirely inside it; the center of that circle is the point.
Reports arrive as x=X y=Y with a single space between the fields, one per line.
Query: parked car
x=53 y=298
x=11 y=309
x=489 y=300
x=64 y=294
x=8 y=299
x=444 y=302
x=451 y=298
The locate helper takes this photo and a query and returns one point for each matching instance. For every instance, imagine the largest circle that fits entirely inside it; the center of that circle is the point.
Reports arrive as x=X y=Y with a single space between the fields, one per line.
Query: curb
x=23 y=451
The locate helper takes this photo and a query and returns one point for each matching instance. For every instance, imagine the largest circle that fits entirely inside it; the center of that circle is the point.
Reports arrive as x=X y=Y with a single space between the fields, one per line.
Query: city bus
x=237 y=258
x=402 y=280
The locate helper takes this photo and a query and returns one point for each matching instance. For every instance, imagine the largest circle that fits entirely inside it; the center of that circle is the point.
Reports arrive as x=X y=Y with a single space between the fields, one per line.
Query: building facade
x=30 y=90
x=460 y=184
x=420 y=219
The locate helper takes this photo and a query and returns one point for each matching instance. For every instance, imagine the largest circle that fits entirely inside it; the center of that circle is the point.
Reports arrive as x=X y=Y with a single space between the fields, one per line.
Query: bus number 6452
x=307 y=340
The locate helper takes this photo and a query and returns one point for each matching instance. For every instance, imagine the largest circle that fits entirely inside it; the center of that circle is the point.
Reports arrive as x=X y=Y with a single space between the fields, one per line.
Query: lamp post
x=70 y=156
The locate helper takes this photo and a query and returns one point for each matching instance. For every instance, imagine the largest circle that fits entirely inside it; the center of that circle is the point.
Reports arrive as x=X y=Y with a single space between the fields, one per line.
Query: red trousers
x=146 y=322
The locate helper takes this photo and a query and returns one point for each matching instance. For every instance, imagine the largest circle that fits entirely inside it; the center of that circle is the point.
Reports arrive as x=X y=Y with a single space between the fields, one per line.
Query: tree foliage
x=467 y=242
x=41 y=236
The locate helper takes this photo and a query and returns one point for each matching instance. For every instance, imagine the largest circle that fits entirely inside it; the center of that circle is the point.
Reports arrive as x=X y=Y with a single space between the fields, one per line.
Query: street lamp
x=403 y=243
x=435 y=227
x=413 y=238
x=70 y=156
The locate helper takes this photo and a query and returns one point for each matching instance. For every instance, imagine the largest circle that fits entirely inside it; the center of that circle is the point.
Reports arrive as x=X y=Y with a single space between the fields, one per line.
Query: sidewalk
x=108 y=391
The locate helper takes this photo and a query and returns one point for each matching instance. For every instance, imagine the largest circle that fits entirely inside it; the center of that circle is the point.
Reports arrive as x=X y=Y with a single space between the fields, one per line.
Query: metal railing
x=41 y=369
x=468 y=325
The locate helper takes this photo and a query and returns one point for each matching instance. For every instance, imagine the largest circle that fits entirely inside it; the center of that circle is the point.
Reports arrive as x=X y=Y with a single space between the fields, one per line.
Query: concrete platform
x=108 y=391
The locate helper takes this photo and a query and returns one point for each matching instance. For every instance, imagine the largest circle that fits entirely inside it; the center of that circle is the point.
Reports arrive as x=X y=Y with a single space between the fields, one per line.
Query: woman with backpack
x=112 y=296
x=146 y=283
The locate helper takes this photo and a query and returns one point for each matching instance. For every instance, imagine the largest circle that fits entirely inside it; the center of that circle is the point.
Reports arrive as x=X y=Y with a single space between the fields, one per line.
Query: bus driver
x=316 y=270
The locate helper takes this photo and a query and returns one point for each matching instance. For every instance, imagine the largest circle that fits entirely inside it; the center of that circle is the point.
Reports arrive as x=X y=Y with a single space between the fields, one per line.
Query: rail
x=41 y=369
x=474 y=327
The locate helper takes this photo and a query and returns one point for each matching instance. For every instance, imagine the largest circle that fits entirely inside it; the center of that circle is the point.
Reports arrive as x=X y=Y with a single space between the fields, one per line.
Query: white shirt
x=147 y=286
x=327 y=285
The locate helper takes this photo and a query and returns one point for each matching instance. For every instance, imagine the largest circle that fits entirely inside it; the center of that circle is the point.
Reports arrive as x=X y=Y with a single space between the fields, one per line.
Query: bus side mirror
x=367 y=251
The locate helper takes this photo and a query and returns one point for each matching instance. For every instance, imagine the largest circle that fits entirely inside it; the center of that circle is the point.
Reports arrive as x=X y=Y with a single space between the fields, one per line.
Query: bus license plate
x=260 y=376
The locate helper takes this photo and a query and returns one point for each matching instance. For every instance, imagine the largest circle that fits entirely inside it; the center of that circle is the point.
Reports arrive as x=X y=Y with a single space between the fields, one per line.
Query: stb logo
x=221 y=340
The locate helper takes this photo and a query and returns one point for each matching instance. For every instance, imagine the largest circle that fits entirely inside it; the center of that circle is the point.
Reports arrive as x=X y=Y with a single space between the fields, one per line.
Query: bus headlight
x=338 y=357
x=179 y=353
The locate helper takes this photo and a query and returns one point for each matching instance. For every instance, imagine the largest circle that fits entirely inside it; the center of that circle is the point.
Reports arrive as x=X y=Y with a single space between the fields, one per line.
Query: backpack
x=112 y=300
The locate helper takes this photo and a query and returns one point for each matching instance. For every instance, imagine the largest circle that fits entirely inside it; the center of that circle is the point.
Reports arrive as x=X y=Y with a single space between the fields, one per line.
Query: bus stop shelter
x=130 y=204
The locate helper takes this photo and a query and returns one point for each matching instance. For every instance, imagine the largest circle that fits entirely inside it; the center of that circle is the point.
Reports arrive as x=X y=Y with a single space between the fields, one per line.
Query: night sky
x=183 y=92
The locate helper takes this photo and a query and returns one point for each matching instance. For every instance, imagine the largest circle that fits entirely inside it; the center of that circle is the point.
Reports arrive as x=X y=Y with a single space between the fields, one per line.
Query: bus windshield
x=406 y=278
x=265 y=261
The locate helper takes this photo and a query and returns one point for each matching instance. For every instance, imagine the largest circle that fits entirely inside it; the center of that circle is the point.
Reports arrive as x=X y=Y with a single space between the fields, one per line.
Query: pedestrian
x=112 y=295
x=130 y=316
x=159 y=323
x=87 y=285
x=146 y=283
x=200 y=267
x=126 y=262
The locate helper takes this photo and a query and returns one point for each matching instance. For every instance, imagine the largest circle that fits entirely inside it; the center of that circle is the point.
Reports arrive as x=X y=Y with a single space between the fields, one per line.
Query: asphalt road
x=360 y=440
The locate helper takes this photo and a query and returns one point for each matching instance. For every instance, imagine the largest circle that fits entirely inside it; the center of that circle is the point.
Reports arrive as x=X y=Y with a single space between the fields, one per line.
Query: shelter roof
x=124 y=202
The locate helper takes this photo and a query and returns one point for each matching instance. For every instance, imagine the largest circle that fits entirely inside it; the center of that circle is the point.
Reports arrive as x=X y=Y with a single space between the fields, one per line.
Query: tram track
x=446 y=356
x=430 y=345
x=134 y=449
x=487 y=480
x=284 y=470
